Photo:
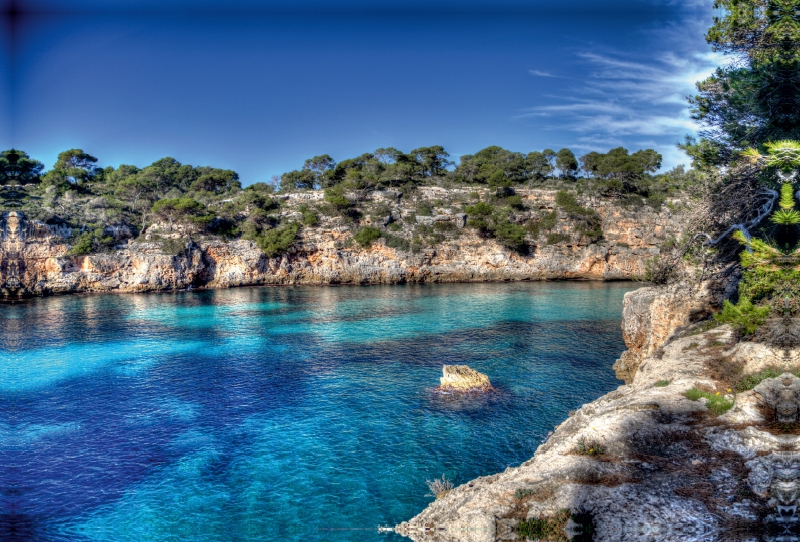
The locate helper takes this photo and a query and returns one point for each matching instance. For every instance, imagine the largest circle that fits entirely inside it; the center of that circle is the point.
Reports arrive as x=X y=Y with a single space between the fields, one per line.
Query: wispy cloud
x=541 y=73
x=624 y=100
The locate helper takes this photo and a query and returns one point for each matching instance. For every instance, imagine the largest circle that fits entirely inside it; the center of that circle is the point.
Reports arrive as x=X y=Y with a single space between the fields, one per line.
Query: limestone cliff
x=660 y=458
x=34 y=256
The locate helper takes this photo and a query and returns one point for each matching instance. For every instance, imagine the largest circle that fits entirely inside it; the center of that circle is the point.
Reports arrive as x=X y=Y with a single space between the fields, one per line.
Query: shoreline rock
x=36 y=261
x=646 y=462
x=460 y=378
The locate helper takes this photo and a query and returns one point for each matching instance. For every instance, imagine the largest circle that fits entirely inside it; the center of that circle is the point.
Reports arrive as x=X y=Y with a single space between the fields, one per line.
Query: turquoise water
x=293 y=414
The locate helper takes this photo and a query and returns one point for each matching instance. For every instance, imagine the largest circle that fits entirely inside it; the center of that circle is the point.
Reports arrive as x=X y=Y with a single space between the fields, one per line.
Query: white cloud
x=541 y=73
x=624 y=101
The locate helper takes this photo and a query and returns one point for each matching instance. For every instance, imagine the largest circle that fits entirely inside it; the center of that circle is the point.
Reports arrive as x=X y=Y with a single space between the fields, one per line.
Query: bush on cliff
x=90 y=241
x=745 y=317
x=366 y=235
x=276 y=241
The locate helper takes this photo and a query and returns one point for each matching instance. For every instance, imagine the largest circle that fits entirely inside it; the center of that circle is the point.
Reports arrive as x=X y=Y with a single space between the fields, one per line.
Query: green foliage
x=787 y=215
x=548 y=220
x=366 y=235
x=661 y=384
x=393 y=241
x=550 y=529
x=424 y=209
x=754 y=99
x=277 y=240
x=510 y=235
x=26 y=170
x=745 y=317
x=335 y=196
x=591 y=448
x=91 y=240
x=748 y=382
x=588 y=221
x=715 y=402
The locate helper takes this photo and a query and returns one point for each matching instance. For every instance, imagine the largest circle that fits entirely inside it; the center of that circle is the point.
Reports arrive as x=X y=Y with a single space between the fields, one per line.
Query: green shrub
x=548 y=528
x=335 y=196
x=661 y=384
x=444 y=226
x=548 y=221
x=590 y=448
x=515 y=202
x=589 y=224
x=745 y=317
x=748 y=382
x=366 y=235
x=173 y=247
x=479 y=209
x=310 y=218
x=278 y=240
x=716 y=402
x=510 y=235
x=556 y=238
x=424 y=209
x=90 y=241
x=393 y=241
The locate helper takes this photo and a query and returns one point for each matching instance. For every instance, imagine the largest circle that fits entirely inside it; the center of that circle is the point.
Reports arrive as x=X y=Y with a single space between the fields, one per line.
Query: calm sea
x=292 y=413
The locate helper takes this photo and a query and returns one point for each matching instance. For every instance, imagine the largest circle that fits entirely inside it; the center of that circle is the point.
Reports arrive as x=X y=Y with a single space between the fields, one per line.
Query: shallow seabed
x=293 y=413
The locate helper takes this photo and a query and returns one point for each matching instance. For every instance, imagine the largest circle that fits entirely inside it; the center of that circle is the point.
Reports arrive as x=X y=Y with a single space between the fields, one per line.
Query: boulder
x=462 y=378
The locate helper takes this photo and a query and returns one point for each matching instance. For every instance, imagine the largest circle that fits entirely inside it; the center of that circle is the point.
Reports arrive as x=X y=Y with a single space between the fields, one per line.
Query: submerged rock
x=462 y=378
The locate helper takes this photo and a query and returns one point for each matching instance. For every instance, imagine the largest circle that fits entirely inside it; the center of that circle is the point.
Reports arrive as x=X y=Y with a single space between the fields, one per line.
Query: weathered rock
x=670 y=471
x=651 y=315
x=782 y=394
x=319 y=255
x=462 y=378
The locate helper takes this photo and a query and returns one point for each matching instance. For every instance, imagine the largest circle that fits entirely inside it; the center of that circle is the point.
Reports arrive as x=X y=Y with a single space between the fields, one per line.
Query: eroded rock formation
x=36 y=254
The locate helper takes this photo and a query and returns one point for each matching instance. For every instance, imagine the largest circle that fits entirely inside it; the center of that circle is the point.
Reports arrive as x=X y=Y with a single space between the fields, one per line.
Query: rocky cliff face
x=646 y=462
x=34 y=256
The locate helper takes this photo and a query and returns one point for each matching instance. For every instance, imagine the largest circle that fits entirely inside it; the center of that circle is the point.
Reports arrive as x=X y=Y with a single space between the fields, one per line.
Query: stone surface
x=462 y=378
x=670 y=471
x=320 y=256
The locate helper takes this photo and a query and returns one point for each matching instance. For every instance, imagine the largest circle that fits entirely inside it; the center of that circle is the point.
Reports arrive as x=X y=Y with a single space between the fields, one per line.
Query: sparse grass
x=704 y=326
x=522 y=493
x=691 y=347
x=661 y=384
x=716 y=402
x=591 y=448
x=551 y=528
x=548 y=528
x=439 y=487
x=748 y=382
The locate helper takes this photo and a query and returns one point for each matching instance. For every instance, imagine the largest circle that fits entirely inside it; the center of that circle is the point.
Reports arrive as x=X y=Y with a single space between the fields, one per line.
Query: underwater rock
x=462 y=378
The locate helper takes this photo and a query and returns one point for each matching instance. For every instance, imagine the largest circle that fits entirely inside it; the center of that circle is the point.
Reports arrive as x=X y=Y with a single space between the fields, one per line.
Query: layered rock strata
x=34 y=257
x=646 y=463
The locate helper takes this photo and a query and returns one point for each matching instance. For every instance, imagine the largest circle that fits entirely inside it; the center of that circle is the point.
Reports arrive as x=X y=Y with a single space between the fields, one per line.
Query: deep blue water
x=293 y=414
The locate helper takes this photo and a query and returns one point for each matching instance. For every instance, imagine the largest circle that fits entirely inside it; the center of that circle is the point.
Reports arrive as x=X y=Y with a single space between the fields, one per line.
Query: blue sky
x=260 y=86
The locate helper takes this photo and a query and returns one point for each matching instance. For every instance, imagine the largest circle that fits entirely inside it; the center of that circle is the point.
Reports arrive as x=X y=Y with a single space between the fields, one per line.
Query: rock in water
x=462 y=378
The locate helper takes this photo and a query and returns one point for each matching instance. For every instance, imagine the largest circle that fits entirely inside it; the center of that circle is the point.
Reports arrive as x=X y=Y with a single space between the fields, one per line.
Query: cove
x=292 y=413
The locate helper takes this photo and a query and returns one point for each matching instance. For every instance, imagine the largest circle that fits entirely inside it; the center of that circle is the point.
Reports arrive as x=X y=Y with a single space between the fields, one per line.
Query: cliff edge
x=38 y=258
x=701 y=443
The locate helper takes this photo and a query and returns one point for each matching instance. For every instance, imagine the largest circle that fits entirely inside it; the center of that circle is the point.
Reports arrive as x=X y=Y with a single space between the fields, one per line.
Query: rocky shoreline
x=678 y=453
x=35 y=257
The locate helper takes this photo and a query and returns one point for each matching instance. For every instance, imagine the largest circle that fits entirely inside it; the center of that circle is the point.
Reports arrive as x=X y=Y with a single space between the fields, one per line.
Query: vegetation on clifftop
x=168 y=201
